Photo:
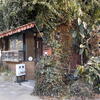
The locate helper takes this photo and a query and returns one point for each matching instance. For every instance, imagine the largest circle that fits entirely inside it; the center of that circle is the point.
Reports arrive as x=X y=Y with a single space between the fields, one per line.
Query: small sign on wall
x=30 y=58
x=47 y=52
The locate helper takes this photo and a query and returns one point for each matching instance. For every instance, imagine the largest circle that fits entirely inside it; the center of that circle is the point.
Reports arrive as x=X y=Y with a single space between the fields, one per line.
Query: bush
x=49 y=78
x=81 y=89
x=91 y=73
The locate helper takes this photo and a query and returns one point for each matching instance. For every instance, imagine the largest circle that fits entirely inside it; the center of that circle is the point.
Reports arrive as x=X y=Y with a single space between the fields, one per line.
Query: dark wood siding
x=39 y=48
x=29 y=45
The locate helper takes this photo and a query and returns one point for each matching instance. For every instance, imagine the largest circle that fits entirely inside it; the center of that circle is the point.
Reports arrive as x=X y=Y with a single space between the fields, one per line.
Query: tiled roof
x=17 y=30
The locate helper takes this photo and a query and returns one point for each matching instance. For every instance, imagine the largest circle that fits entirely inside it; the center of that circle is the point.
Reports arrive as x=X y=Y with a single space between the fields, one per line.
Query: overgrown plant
x=49 y=80
x=80 y=89
x=91 y=73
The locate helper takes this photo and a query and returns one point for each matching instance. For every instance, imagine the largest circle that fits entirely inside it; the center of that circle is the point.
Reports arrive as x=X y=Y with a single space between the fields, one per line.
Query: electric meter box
x=20 y=70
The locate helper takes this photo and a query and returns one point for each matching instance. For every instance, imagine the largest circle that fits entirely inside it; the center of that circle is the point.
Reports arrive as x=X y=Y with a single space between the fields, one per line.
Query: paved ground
x=13 y=91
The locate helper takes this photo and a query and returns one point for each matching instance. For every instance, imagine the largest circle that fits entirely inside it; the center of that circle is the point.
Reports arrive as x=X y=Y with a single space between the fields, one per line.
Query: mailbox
x=20 y=70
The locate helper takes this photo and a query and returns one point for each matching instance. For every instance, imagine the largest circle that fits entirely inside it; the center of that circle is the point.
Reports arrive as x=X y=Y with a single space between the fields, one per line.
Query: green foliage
x=57 y=12
x=91 y=73
x=16 y=13
x=49 y=78
x=48 y=12
x=80 y=34
x=81 y=89
x=83 y=13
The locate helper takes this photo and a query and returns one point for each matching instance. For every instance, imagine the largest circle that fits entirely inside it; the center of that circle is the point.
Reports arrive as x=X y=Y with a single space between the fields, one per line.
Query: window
x=16 y=42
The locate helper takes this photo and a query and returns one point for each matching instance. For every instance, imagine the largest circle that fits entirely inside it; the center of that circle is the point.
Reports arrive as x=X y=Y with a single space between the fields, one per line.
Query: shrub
x=91 y=73
x=81 y=89
x=49 y=78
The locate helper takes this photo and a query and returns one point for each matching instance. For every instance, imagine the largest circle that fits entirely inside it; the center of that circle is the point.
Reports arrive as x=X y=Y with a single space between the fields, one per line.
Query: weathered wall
x=66 y=40
x=30 y=68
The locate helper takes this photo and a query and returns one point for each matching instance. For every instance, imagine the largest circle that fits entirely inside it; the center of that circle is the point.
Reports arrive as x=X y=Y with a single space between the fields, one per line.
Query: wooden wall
x=1 y=45
x=29 y=45
x=30 y=68
x=66 y=40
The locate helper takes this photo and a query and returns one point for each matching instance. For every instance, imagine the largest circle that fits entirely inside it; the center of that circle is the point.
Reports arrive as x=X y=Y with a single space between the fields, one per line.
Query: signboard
x=20 y=70
x=47 y=51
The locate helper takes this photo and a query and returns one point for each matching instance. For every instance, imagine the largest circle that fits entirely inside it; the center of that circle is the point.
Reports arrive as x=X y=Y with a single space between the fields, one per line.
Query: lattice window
x=16 y=42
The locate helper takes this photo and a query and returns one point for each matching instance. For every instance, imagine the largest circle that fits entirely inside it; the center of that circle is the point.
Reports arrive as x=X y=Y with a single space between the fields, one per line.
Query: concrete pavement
x=14 y=91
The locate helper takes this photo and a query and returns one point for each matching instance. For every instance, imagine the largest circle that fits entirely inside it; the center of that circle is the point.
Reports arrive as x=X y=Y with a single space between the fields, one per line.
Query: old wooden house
x=24 y=42
x=17 y=45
